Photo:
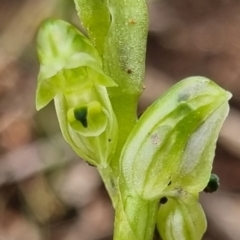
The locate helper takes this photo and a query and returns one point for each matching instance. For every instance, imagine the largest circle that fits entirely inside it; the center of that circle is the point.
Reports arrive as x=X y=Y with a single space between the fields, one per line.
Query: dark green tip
x=213 y=184
x=80 y=114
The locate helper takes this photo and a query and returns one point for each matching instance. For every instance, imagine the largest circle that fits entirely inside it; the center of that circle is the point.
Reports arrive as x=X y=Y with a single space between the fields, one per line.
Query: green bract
x=169 y=155
x=96 y=19
x=191 y=177
x=71 y=73
x=175 y=137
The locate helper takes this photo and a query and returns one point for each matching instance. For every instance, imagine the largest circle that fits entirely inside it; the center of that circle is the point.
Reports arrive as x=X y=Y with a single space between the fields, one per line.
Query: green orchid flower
x=169 y=154
x=71 y=74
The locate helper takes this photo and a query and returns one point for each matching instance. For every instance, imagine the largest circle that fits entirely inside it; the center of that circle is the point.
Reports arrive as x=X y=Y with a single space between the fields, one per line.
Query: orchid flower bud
x=71 y=74
x=213 y=184
x=181 y=219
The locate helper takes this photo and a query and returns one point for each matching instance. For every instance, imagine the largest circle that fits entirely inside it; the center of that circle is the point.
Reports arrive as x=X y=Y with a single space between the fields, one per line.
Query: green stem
x=124 y=62
x=127 y=118
x=110 y=183
x=110 y=175
x=135 y=219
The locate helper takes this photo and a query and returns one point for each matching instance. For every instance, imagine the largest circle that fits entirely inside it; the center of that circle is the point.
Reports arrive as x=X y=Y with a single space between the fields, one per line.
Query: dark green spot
x=163 y=200
x=213 y=184
x=129 y=71
x=80 y=114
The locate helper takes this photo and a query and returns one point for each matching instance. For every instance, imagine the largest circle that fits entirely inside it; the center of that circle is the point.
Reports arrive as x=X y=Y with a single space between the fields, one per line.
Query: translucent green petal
x=155 y=148
x=57 y=41
x=181 y=219
x=94 y=69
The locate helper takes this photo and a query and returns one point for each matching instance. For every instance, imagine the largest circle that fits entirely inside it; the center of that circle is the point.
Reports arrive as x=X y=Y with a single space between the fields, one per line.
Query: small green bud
x=213 y=184
x=71 y=74
x=181 y=219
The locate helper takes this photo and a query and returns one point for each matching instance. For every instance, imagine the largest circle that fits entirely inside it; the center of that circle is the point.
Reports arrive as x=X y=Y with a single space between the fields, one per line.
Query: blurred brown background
x=46 y=192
